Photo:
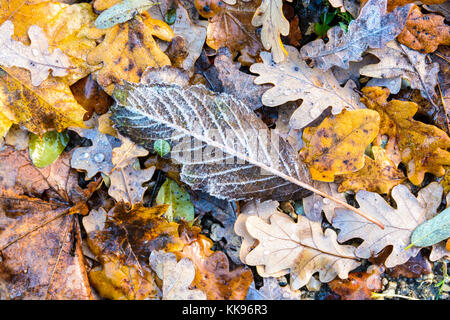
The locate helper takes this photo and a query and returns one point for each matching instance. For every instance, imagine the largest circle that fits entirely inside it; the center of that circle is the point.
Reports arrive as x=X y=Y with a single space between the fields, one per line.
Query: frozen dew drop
x=326 y=201
x=99 y=157
x=266 y=252
x=35 y=52
x=84 y=156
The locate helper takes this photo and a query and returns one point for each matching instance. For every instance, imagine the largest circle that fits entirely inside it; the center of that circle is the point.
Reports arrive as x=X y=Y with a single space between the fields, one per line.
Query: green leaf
x=432 y=231
x=181 y=206
x=44 y=151
x=162 y=147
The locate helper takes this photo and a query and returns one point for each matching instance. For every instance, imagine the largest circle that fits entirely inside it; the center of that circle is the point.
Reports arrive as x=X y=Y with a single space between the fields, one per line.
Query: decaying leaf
x=294 y=80
x=176 y=276
x=212 y=274
x=378 y=175
x=270 y=16
x=36 y=58
x=337 y=145
x=128 y=49
x=231 y=27
x=373 y=28
x=359 y=285
x=424 y=32
x=127 y=153
x=314 y=204
x=398 y=60
x=399 y=224
x=421 y=147
x=271 y=290
x=302 y=247
x=194 y=113
x=40 y=236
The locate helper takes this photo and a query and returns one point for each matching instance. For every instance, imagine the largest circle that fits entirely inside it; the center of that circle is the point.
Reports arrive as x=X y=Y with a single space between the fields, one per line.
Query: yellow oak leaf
x=337 y=145
x=128 y=49
x=378 y=175
x=421 y=147
x=50 y=105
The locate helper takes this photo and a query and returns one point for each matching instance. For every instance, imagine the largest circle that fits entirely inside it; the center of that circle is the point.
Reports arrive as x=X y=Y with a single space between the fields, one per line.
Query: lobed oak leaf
x=421 y=147
x=176 y=276
x=270 y=16
x=424 y=32
x=337 y=145
x=314 y=204
x=294 y=80
x=212 y=275
x=378 y=175
x=302 y=247
x=392 y=4
x=399 y=224
x=372 y=28
x=271 y=290
x=128 y=49
x=398 y=61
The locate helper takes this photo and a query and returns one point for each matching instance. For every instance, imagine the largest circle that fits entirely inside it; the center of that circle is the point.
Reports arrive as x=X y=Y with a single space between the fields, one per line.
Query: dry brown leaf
x=314 y=204
x=301 y=247
x=40 y=236
x=378 y=175
x=294 y=80
x=398 y=223
x=337 y=145
x=212 y=274
x=128 y=49
x=424 y=32
x=421 y=147
x=398 y=60
x=270 y=16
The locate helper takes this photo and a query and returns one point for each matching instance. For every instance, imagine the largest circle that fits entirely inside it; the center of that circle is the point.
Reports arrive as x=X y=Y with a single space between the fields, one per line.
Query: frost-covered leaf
x=398 y=61
x=36 y=57
x=176 y=276
x=270 y=16
x=127 y=153
x=314 y=204
x=373 y=28
x=122 y=12
x=398 y=223
x=219 y=125
x=302 y=247
x=271 y=290
x=432 y=231
x=294 y=80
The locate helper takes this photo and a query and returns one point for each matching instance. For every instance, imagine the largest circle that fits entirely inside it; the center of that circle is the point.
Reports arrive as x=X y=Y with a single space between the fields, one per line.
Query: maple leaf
x=398 y=61
x=51 y=105
x=128 y=49
x=212 y=275
x=399 y=224
x=270 y=16
x=337 y=145
x=294 y=80
x=176 y=276
x=424 y=32
x=421 y=147
x=378 y=175
x=302 y=247
x=231 y=27
x=373 y=28
x=30 y=225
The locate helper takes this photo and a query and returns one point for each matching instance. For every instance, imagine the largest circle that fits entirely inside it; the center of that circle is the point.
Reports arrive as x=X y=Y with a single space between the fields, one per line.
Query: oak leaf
x=271 y=290
x=372 y=28
x=398 y=61
x=176 y=276
x=392 y=4
x=421 y=147
x=300 y=246
x=314 y=204
x=212 y=274
x=378 y=175
x=294 y=80
x=270 y=16
x=128 y=49
x=424 y=32
x=398 y=225
x=337 y=145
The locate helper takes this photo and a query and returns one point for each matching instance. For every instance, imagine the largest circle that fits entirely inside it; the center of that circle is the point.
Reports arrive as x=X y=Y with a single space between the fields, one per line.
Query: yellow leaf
x=379 y=175
x=50 y=105
x=421 y=147
x=128 y=49
x=337 y=145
